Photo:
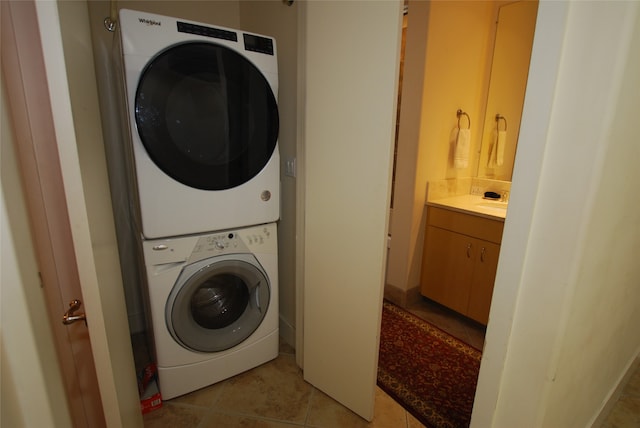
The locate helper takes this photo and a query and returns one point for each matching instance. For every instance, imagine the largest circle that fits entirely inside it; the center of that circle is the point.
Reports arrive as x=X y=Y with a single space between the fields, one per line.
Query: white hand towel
x=491 y=155
x=463 y=143
x=500 y=143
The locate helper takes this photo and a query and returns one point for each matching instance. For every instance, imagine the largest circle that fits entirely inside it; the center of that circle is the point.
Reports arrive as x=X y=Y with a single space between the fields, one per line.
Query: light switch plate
x=290 y=167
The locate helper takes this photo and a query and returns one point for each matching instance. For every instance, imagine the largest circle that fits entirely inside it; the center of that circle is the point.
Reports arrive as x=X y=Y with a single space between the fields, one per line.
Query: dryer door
x=206 y=116
x=217 y=303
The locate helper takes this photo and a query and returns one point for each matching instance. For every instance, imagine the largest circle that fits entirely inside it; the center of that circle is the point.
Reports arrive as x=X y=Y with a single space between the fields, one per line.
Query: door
x=349 y=128
x=56 y=208
x=40 y=167
x=206 y=115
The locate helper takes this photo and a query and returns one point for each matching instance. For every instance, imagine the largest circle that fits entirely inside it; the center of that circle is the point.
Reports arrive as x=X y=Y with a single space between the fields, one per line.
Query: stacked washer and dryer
x=203 y=118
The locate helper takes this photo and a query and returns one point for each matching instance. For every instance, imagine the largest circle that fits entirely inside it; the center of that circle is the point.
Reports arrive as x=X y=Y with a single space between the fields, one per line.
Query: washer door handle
x=255 y=287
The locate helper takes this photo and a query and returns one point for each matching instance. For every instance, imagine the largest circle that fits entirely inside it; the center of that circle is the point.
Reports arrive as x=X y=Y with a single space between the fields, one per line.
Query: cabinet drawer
x=466 y=224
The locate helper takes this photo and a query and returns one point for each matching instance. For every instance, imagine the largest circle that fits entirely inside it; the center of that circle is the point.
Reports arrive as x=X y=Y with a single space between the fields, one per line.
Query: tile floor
x=626 y=412
x=275 y=395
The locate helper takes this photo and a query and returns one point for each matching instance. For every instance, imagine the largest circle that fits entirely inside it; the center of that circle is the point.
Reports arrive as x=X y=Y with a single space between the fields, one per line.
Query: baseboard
x=287 y=333
x=394 y=294
x=615 y=394
x=413 y=295
x=401 y=297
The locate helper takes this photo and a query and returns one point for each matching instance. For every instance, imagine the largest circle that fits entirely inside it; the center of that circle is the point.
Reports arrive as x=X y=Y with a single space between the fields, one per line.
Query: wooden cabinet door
x=484 y=275
x=448 y=268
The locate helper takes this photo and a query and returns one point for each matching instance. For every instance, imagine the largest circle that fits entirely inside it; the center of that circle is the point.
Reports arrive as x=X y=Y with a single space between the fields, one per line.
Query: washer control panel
x=260 y=238
x=219 y=243
x=257 y=239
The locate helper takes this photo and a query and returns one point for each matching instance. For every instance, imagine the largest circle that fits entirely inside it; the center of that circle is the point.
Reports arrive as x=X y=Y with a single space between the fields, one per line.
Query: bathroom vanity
x=461 y=248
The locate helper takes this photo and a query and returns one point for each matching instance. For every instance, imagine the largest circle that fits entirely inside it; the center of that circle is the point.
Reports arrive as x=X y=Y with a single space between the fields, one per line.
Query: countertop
x=474 y=205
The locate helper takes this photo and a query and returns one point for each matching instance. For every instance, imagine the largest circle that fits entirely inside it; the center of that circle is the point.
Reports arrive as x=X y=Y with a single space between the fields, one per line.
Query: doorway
x=421 y=155
x=426 y=113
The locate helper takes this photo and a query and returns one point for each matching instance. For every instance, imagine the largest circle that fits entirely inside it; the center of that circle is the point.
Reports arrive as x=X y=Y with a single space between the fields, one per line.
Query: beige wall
x=459 y=44
x=280 y=21
x=220 y=12
x=446 y=68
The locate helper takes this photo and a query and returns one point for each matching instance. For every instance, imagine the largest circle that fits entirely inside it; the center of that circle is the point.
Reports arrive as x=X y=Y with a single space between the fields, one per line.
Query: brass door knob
x=70 y=316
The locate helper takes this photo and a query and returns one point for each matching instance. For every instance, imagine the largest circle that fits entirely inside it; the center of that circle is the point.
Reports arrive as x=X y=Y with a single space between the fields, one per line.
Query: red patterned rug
x=432 y=374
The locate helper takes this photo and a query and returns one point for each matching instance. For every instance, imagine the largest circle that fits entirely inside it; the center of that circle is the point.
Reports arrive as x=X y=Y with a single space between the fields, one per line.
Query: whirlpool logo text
x=149 y=22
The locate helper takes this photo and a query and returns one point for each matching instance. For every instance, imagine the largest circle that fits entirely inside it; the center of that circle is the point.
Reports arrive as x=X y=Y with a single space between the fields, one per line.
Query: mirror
x=507 y=85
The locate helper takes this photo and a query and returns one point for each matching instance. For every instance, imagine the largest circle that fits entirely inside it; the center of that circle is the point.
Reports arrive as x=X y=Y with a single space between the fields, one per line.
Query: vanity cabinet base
x=460 y=260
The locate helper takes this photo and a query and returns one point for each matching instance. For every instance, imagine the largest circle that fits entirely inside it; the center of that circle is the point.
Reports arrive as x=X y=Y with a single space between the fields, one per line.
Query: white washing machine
x=203 y=119
x=214 y=305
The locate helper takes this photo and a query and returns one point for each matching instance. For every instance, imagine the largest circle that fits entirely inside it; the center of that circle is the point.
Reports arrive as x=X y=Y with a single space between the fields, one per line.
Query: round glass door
x=217 y=305
x=206 y=116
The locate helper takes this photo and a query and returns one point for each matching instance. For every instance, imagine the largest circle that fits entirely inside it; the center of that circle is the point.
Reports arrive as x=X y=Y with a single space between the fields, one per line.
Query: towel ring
x=460 y=113
x=500 y=117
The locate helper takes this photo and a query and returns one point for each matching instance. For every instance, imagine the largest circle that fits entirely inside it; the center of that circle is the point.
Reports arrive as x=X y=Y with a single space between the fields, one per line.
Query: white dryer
x=214 y=305
x=203 y=119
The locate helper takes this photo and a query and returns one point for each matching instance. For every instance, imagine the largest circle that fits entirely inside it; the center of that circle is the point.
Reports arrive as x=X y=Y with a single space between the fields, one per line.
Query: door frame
x=39 y=164
x=40 y=104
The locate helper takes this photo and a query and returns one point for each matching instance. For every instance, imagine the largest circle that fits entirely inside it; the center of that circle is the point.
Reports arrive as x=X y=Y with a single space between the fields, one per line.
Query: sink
x=495 y=205
x=474 y=204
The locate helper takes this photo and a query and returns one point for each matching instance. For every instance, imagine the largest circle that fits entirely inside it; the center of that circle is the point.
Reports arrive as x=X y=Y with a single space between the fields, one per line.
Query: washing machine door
x=217 y=303
x=206 y=115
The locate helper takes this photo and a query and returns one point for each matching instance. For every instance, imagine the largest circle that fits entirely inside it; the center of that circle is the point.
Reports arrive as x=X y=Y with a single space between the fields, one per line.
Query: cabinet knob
x=482 y=255
x=469 y=251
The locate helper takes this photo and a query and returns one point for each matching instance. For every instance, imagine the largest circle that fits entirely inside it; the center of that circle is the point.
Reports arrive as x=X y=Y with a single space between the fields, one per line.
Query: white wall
x=563 y=326
x=603 y=295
